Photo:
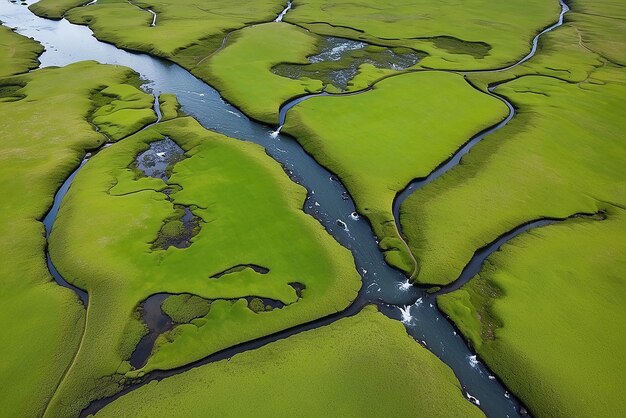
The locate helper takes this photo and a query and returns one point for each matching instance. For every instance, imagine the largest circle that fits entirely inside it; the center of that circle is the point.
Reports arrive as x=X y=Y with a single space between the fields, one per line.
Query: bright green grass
x=42 y=322
x=573 y=51
x=251 y=214
x=193 y=24
x=545 y=313
x=474 y=34
x=18 y=54
x=554 y=330
x=169 y=106
x=365 y=365
x=378 y=141
x=191 y=34
x=241 y=71
x=54 y=9
x=184 y=308
x=560 y=54
x=128 y=110
x=602 y=25
x=563 y=153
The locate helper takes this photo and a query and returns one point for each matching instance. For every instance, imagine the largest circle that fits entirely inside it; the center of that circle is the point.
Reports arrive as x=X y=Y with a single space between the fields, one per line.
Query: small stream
x=327 y=200
x=282 y=14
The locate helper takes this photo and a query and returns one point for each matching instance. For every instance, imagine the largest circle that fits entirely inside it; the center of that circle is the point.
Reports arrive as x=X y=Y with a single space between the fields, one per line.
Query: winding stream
x=327 y=200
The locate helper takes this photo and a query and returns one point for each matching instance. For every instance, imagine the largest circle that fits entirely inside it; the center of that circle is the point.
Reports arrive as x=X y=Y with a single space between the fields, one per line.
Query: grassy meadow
x=364 y=365
x=234 y=47
x=380 y=140
x=544 y=312
x=43 y=321
x=18 y=54
x=476 y=34
x=221 y=180
x=551 y=307
x=241 y=71
x=193 y=25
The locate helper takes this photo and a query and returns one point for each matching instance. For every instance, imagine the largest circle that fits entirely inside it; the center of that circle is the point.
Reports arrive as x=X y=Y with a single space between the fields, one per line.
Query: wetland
x=293 y=198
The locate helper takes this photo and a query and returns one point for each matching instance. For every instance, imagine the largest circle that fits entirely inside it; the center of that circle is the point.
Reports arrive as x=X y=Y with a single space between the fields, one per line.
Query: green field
x=220 y=180
x=127 y=110
x=475 y=34
x=360 y=366
x=551 y=309
x=192 y=25
x=222 y=237
x=241 y=71
x=234 y=47
x=544 y=313
x=18 y=54
x=43 y=322
x=471 y=206
x=378 y=141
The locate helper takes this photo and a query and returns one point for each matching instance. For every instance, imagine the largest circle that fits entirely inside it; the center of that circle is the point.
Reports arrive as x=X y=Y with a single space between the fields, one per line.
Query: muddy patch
x=178 y=230
x=339 y=60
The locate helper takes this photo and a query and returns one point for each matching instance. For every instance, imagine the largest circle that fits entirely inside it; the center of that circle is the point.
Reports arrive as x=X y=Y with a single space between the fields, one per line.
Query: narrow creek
x=328 y=201
x=282 y=14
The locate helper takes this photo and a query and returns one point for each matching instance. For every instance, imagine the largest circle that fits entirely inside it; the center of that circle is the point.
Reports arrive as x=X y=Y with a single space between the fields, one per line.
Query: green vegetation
x=54 y=9
x=18 y=54
x=365 y=365
x=185 y=307
x=128 y=110
x=42 y=322
x=230 y=47
x=379 y=141
x=170 y=108
x=221 y=180
x=241 y=71
x=185 y=31
x=464 y=35
x=602 y=27
x=545 y=312
x=471 y=206
x=563 y=359
x=250 y=242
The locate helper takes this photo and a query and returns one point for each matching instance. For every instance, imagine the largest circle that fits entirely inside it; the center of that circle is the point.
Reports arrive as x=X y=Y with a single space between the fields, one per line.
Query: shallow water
x=327 y=199
x=346 y=56
x=158 y=160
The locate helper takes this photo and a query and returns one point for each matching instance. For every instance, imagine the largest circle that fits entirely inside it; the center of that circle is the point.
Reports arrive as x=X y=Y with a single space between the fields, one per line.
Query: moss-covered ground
x=241 y=71
x=18 y=54
x=474 y=34
x=365 y=365
x=127 y=110
x=545 y=312
x=251 y=213
x=380 y=140
x=235 y=47
x=191 y=25
x=340 y=60
x=170 y=108
x=561 y=154
x=42 y=322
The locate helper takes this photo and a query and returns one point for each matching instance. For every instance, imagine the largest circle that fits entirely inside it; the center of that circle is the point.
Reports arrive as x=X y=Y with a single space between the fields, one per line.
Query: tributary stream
x=328 y=201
